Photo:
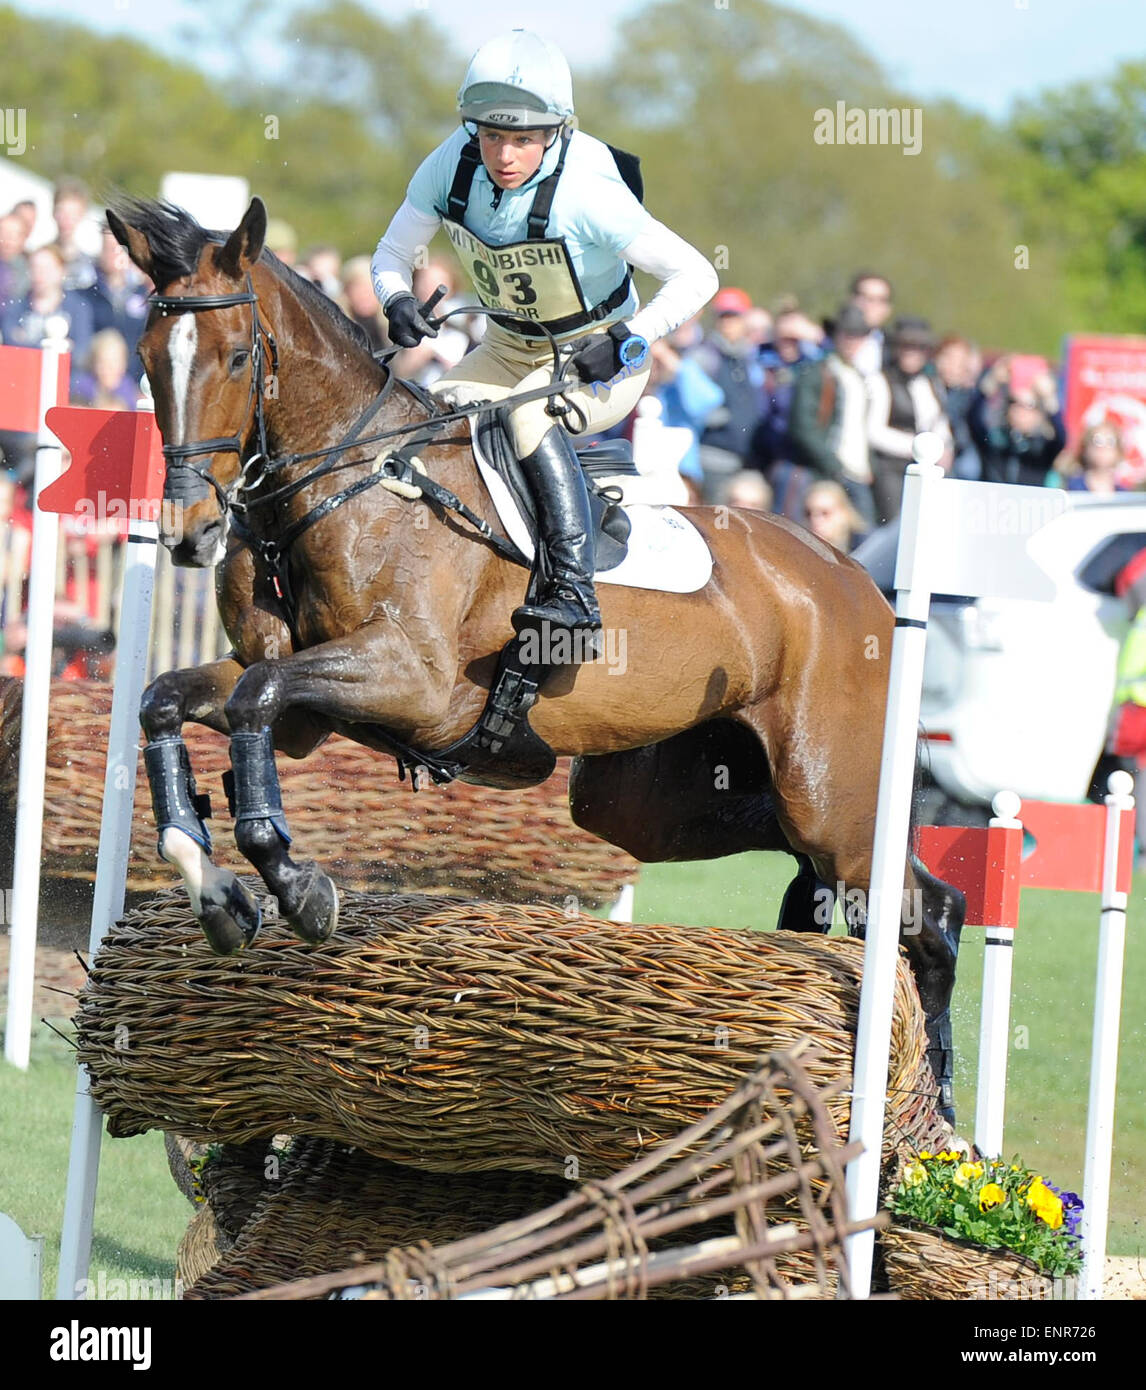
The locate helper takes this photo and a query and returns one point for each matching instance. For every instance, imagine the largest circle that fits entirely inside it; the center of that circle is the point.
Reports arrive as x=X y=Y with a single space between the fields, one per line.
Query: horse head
x=204 y=350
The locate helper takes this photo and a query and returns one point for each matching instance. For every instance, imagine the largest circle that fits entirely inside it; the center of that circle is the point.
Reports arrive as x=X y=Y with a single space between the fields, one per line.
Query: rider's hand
x=595 y=357
x=407 y=326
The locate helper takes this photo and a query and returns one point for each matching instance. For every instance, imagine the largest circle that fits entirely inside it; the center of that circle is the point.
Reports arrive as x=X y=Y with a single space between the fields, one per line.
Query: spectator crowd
x=812 y=417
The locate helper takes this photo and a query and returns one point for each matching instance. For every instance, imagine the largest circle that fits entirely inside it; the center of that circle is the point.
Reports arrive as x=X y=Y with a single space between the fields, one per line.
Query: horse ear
x=133 y=239
x=245 y=244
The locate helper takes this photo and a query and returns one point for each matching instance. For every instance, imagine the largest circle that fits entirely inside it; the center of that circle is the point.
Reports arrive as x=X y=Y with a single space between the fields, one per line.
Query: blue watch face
x=633 y=351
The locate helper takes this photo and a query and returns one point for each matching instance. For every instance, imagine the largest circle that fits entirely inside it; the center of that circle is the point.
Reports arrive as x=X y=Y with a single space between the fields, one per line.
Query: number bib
x=533 y=278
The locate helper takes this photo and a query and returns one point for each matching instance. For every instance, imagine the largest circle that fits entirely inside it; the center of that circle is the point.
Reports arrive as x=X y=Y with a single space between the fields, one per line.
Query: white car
x=1017 y=693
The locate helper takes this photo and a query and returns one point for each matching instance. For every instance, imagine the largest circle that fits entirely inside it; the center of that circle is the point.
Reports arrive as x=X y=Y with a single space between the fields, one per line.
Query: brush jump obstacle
x=281 y=1221
x=469 y=1038
x=428 y=1030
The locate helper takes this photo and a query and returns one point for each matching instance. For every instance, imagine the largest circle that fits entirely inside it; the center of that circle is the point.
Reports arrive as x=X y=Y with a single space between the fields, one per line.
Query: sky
x=984 y=53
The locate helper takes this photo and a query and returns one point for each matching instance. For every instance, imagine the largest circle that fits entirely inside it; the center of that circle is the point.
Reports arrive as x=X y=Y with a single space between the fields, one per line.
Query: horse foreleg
x=373 y=675
x=227 y=911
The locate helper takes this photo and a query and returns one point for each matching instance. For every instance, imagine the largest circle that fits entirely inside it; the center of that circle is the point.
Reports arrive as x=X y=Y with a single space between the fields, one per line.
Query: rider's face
x=511 y=156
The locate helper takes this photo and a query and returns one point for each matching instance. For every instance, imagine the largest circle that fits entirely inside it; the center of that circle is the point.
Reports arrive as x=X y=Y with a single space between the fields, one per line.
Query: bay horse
x=749 y=715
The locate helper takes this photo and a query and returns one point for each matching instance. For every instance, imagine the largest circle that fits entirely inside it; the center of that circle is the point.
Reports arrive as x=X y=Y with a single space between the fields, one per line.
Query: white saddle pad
x=665 y=550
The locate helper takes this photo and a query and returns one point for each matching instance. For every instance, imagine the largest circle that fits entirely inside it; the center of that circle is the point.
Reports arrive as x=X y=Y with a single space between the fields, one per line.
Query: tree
x=1083 y=192
x=721 y=105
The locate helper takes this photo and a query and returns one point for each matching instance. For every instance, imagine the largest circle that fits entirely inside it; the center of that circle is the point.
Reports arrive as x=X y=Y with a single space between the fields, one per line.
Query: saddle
x=610 y=458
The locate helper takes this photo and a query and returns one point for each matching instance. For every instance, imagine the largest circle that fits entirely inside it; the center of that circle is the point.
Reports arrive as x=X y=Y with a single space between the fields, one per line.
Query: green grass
x=1048 y=1073
x=141 y=1215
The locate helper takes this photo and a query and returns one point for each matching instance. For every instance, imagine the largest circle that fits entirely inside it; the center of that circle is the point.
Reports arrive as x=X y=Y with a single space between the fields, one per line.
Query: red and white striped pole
x=1104 y=1049
x=995 y=1009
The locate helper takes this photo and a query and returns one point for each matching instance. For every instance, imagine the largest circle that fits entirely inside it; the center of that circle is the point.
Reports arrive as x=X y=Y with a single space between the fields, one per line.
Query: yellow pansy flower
x=925 y=1155
x=1045 y=1204
x=914 y=1174
x=992 y=1195
x=966 y=1171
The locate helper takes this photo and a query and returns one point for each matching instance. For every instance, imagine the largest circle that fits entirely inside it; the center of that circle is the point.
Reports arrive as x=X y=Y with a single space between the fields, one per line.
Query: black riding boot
x=554 y=475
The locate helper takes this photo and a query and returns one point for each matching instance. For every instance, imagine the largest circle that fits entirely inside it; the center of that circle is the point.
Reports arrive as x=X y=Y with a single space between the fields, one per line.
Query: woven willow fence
x=738 y=1203
x=462 y=1037
x=346 y=808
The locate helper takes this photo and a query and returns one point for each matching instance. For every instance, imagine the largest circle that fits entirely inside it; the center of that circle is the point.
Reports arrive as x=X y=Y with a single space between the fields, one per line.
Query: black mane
x=177 y=241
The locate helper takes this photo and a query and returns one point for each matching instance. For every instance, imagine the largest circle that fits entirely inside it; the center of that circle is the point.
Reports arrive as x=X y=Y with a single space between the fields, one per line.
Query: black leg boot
x=553 y=472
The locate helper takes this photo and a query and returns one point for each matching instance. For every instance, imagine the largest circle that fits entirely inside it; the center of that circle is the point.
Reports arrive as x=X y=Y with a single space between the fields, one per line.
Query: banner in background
x=1105 y=379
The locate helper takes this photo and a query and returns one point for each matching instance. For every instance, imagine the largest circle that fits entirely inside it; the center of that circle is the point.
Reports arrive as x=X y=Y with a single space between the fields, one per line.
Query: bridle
x=185 y=482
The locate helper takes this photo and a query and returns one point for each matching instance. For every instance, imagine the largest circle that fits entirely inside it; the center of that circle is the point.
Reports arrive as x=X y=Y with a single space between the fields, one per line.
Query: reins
x=556 y=386
x=180 y=486
x=397 y=471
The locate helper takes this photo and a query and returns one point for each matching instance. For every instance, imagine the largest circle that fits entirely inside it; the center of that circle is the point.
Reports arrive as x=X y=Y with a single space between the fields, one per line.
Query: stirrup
x=563 y=606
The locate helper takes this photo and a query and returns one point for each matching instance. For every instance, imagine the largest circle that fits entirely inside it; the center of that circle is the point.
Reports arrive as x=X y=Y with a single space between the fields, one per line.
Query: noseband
x=185 y=482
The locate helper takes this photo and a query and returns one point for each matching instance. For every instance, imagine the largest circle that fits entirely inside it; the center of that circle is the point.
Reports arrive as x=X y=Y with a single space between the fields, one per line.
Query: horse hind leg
x=932 y=940
x=809 y=902
x=826 y=808
x=931 y=922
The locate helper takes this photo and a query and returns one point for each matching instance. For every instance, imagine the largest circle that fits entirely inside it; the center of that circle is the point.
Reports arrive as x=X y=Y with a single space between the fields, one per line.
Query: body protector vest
x=535 y=277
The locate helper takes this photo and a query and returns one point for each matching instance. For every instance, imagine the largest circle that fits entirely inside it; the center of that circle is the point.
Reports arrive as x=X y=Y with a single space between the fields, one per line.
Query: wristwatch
x=632 y=349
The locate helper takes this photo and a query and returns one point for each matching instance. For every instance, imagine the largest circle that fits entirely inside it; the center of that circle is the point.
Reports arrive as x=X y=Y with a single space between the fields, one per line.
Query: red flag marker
x=20 y=387
x=117 y=464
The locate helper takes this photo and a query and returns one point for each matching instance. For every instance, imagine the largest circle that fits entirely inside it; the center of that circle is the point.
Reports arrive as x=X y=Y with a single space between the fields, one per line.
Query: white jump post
x=34 y=716
x=995 y=1011
x=1104 y=1049
x=892 y=826
x=622 y=909
x=959 y=538
x=111 y=876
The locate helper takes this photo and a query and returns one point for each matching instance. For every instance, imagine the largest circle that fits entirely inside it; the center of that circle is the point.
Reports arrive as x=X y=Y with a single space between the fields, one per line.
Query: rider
x=544 y=222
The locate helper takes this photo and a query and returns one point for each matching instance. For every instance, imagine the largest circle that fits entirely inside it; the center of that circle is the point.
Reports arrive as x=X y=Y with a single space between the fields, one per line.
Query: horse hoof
x=231 y=925
x=317 y=916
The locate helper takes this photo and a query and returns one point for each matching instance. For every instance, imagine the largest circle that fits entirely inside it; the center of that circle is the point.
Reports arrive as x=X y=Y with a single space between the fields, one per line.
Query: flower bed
x=988 y=1229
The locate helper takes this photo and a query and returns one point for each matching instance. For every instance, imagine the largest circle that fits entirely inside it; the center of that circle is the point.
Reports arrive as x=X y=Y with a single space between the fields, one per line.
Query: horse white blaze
x=182 y=345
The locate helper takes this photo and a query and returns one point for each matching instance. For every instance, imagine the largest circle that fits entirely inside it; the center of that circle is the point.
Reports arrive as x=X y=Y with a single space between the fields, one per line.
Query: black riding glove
x=407 y=326
x=596 y=357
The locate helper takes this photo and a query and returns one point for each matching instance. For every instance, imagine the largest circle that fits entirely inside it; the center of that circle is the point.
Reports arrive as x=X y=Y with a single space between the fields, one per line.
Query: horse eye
x=239 y=359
